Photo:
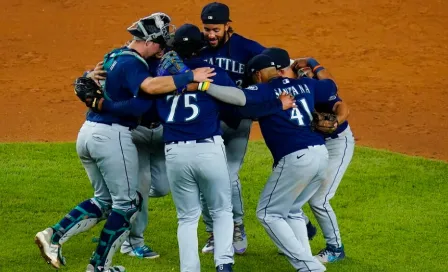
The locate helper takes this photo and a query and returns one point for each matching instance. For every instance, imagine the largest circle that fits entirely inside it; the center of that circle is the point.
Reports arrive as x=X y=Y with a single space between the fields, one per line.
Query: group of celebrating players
x=172 y=112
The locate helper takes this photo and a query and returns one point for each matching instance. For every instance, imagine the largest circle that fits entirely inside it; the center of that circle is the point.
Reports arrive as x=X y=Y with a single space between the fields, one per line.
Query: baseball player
x=300 y=158
x=106 y=150
x=340 y=146
x=147 y=137
x=229 y=51
x=196 y=159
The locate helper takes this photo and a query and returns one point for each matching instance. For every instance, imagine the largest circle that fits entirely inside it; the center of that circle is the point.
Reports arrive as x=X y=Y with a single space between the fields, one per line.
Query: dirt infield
x=389 y=57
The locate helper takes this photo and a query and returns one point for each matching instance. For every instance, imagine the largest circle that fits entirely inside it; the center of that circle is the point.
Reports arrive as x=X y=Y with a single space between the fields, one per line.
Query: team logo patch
x=252 y=87
x=333 y=97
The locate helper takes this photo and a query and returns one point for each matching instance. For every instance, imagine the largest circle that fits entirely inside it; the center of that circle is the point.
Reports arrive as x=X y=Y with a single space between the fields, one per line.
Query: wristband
x=181 y=80
x=203 y=86
x=312 y=63
x=318 y=68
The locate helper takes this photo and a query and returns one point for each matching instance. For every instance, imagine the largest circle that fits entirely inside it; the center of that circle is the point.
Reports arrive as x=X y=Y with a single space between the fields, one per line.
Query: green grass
x=392 y=211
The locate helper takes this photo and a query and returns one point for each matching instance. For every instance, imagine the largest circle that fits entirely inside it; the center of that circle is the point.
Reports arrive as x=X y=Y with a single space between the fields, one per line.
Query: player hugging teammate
x=180 y=122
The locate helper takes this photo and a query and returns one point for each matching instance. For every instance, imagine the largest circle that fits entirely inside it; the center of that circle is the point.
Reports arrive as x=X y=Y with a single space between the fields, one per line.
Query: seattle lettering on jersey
x=227 y=64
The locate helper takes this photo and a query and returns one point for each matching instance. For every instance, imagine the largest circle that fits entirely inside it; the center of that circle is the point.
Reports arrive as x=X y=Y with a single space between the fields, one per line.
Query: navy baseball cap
x=279 y=56
x=215 y=13
x=259 y=62
x=187 y=33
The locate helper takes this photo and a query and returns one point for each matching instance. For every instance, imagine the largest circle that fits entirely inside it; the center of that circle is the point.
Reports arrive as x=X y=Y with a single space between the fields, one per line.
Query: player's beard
x=218 y=41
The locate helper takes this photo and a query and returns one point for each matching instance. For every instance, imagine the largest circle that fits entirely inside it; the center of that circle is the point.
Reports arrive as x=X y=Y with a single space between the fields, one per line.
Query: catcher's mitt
x=88 y=92
x=171 y=64
x=324 y=122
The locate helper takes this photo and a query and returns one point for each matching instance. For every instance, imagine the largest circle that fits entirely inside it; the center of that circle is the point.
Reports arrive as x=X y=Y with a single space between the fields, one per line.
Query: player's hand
x=288 y=101
x=95 y=103
x=98 y=73
x=203 y=74
x=299 y=64
x=192 y=87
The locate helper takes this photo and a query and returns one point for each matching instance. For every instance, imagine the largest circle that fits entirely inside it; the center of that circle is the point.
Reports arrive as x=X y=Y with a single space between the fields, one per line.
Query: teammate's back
x=292 y=126
x=192 y=115
x=195 y=158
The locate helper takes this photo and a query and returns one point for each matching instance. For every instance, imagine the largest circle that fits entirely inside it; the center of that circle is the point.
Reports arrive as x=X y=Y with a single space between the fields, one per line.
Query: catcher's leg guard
x=83 y=217
x=114 y=233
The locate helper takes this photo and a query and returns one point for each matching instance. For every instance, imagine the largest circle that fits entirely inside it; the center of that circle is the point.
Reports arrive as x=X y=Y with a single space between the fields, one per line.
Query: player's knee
x=164 y=190
x=265 y=217
x=191 y=216
x=318 y=206
x=261 y=215
x=159 y=191
x=129 y=208
x=221 y=212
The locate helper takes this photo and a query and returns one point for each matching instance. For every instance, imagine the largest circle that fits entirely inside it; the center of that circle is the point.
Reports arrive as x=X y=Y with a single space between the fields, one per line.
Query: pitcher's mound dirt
x=389 y=58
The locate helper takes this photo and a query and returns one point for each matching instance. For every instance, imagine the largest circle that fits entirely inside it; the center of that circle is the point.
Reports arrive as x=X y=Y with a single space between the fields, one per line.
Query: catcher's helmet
x=153 y=28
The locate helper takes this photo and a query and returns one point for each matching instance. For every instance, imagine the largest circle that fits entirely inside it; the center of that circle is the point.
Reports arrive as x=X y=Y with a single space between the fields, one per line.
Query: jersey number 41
x=298 y=117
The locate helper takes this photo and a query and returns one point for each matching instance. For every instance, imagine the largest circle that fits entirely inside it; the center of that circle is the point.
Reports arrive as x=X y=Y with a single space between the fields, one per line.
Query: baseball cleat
x=210 y=245
x=224 y=268
x=144 y=252
x=239 y=239
x=312 y=230
x=331 y=254
x=52 y=253
x=118 y=268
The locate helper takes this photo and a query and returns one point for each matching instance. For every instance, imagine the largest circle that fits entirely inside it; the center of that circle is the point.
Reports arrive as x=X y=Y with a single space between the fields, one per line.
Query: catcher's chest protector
x=110 y=60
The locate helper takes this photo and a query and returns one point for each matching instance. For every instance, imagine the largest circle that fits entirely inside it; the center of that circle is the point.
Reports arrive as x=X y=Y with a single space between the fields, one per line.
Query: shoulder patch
x=333 y=97
x=252 y=87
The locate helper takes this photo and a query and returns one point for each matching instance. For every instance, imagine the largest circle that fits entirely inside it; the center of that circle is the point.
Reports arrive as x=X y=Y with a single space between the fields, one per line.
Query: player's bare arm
x=166 y=84
x=342 y=111
x=311 y=67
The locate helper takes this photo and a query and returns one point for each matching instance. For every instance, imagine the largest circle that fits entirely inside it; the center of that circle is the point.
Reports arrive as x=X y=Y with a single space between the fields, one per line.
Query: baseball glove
x=324 y=122
x=88 y=92
x=171 y=64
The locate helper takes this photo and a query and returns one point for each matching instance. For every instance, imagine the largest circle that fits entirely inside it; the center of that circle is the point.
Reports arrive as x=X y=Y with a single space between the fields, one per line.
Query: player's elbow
x=149 y=86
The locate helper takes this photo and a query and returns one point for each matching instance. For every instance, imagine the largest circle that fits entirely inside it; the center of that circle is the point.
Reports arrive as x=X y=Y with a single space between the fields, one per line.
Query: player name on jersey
x=292 y=90
x=227 y=64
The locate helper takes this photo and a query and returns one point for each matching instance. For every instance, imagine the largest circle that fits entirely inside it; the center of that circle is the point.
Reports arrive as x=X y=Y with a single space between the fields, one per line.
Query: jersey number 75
x=188 y=104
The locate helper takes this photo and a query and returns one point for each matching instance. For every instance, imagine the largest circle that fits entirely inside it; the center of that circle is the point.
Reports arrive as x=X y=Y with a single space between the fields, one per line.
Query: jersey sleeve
x=257 y=94
x=254 y=111
x=325 y=91
x=132 y=107
x=135 y=72
x=255 y=48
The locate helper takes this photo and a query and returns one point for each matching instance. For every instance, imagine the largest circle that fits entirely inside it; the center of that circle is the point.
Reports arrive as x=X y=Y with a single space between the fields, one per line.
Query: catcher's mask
x=153 y=28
